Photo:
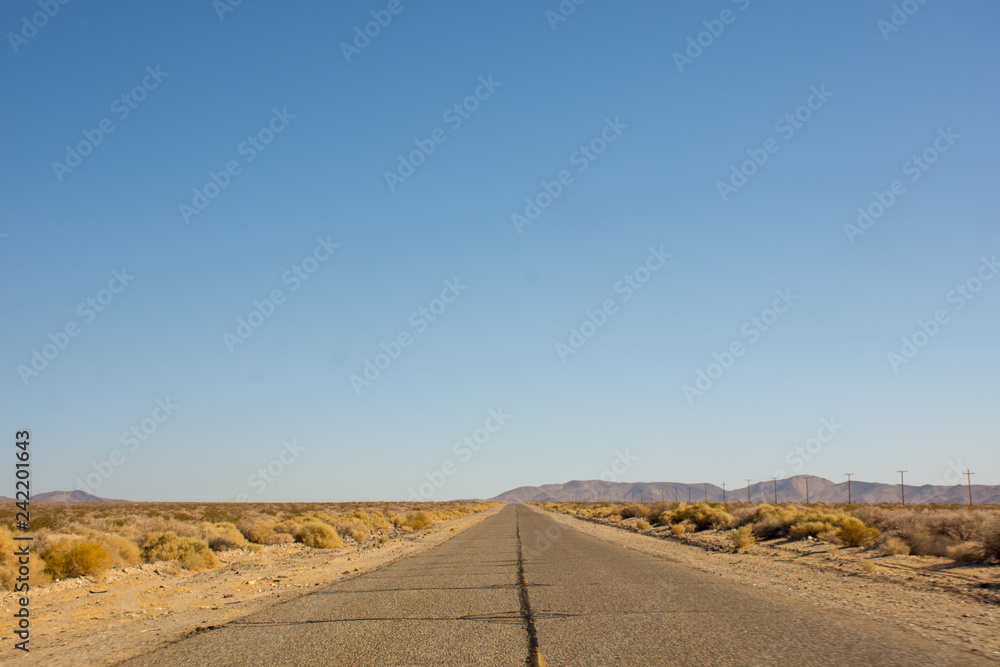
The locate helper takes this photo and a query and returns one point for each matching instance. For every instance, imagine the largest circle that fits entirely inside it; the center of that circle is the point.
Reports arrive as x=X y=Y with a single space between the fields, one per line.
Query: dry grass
x=742 y=537
x=69 y=558
x=193 y=554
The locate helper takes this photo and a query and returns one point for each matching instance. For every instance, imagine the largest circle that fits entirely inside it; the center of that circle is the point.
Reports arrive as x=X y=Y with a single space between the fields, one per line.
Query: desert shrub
x=632 y=510
x=642 y=524
x=382 y=539
x=655 y=510
x=319 y=536
x=742 y=537
x=67 y=559
x=260 y=533
x=222 y=536
x=193 y=554
x=681 y=528
x=854 y=533
x=893 y=546
x=701 y=515
x=966 y=552
x=418 y=520
x=123 y=552
x=990 y=536
x=282 y=538
x=804 y=529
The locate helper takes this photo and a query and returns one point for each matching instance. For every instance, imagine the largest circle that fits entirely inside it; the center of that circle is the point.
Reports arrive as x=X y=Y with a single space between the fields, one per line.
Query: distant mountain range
x=66 y=497
x=792 y=489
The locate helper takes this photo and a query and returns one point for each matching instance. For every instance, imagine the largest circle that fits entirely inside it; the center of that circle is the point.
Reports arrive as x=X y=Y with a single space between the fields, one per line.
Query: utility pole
x=706 y=492
x=807 y=490
x=968 y=476
x=723 y=493
x=775 y=480
x=849 y=475
x=675 y=494
x=902 y=489
x=689 y=493
x=748 y=490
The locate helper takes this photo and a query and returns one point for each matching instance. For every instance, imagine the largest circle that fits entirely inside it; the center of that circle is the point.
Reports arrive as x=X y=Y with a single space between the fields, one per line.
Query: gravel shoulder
x=87 y=621
x=956 y=605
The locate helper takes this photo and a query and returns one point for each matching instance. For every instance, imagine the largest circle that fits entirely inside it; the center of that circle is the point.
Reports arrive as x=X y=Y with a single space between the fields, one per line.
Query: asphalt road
x=518 y=584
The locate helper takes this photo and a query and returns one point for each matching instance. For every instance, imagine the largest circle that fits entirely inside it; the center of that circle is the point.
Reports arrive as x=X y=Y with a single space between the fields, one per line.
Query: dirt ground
x=956 y=604
x=89 y=622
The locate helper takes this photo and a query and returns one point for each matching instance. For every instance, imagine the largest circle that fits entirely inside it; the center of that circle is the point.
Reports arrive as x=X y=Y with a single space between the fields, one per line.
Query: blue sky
x=328 y=127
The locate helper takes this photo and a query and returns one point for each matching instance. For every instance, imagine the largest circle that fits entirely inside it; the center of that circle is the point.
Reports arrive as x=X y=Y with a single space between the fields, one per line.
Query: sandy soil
x=934 y=597
x=88 y=622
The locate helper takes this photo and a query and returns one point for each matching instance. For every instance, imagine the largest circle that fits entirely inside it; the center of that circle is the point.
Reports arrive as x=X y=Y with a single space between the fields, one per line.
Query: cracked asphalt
x=521 y=589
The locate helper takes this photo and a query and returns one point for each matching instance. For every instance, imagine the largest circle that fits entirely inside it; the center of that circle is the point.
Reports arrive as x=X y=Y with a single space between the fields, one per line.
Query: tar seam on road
x=534 y=657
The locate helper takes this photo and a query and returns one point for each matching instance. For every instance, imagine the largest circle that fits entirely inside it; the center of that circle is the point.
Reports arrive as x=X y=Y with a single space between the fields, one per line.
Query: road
x=519 y=587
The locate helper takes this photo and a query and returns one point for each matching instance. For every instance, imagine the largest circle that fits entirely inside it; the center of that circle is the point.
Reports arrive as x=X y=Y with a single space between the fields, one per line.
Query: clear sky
x=508 y=172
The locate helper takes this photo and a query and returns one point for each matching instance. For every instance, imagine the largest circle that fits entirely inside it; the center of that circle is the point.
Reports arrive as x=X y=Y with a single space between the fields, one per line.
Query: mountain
x=76 y=496
x=792 y=489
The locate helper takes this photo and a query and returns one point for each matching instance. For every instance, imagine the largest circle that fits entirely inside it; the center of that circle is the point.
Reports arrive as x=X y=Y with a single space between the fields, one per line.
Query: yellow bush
x=854 y=533
x=66 y=559
x=701 y=515
x=742 y=537
x=193 y=554
x=222 y=536
x=418 y=520
x=319 y=535
x=123 y=552
x=678 y=529
x=642 y=524
x=261 y=532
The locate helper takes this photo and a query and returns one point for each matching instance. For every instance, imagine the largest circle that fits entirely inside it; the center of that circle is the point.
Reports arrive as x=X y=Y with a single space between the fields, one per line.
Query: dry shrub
x=742 y=537
x=678 y=529
x=642 y=524
x=632 y=510
x=991 y=539
x=222 y=536
x=701 y=515
x=261 y=532
x=418 y=520
x=319 y=535
x=123 y=552
x=282 y=538
x=656 y=509
x=967 y=552
x=805 y=529
x=854 y=533
x=67 y=559
x=193 y=554
x=894 y=546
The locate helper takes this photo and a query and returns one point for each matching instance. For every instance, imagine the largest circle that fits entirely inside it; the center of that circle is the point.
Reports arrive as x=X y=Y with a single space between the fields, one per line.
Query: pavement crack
x=534 y=658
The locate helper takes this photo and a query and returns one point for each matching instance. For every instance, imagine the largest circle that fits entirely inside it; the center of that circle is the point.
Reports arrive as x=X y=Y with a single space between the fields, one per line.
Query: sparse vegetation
x=964 y=535
x=84 y=539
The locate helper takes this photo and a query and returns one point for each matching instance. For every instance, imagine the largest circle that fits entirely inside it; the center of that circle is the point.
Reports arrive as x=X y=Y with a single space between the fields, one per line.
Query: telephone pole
x=775 y=480
x=807 y=490
x=723 y=493
x=849 y=475
x=748 y=490
x=689 y=493
x=902 y=489
x=968 y=476
x=706 y=492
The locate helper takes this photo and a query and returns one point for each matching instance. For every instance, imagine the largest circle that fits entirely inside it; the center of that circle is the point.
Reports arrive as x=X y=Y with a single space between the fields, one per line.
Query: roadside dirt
x=959 y=605
x=85 y=622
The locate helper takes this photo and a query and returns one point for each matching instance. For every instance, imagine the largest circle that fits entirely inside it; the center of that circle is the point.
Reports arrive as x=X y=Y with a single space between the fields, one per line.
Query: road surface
x=519 y=588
